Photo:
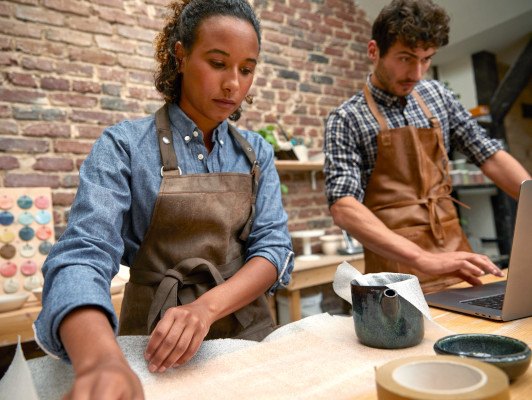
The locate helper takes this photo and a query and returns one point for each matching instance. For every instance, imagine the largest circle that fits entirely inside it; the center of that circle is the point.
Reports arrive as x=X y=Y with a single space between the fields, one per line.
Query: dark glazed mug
x=383 y=319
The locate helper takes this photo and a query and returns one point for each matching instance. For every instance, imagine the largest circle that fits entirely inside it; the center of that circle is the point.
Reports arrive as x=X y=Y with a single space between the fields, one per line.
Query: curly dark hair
x=181 y=26
x=415 y=23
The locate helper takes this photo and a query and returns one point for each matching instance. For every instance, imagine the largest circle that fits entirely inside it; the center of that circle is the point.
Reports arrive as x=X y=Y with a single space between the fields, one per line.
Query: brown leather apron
x=196 y=240
x=410 y=191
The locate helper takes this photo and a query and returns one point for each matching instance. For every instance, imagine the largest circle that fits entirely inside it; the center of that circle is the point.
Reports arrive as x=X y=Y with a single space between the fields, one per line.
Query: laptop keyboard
x=494 y=302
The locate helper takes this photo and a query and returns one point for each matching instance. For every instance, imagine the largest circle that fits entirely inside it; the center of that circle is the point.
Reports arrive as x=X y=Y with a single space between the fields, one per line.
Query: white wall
x=460 y=78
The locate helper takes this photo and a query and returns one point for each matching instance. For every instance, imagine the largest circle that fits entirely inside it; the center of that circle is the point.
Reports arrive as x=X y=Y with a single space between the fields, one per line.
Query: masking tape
x=440 y=378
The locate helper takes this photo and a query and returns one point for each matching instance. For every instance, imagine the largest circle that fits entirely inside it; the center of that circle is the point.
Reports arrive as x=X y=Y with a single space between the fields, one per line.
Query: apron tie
x=189 y=271
x=430 y=202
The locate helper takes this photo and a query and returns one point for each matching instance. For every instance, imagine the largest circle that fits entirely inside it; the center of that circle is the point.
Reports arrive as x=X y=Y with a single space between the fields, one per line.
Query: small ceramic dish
x=117 y=286
x=509 y=354
x=37 y=292
x=10 y=302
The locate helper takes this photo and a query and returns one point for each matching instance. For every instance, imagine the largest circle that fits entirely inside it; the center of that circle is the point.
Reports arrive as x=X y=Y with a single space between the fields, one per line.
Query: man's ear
x=373 y=50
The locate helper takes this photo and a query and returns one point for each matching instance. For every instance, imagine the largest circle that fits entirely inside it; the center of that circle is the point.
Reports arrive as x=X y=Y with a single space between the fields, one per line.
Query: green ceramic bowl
x=509 y=354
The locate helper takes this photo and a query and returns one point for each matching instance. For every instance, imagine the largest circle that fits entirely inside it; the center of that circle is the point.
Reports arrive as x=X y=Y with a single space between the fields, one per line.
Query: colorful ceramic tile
x=24 y=202
x=7 y=236
x=8 y=269
x=6 y=218
x=6 y=202
x=44 y=232
x=11 y=285
x=45 y=247
x=43 y=217
x=26 y=233
x=25 y=218
x=42 y=202
x=27 y=250
x=28 y=268
x=8 y=251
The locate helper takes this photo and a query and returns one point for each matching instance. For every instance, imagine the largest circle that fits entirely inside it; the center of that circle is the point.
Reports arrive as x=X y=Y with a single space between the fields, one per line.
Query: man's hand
x=465 y=265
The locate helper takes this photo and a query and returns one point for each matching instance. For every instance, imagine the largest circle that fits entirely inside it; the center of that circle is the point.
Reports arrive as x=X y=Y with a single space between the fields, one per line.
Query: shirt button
x=200 y=157
x=222 y=142
x=187 y=139
x=195 y=133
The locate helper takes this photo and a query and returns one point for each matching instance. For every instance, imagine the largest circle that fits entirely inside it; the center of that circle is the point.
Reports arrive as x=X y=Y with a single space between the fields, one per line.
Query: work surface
x=318 y=357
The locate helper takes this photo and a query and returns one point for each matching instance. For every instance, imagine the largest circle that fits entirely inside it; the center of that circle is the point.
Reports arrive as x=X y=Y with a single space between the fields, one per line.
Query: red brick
x=8 y=162
x=20 y=96
x=69 y=6
x=73 y=100
x=70 y=181
x=53 y=164
x=92 y=117
x=114 y=75
x=50 y=83
x=5 y=111
x=114 y=45
x=146 y=64
x=72 y=146
x=31 y=180
x=132 y=33
x=23 y=29
x=47 y=130
x=39 y=64
x=89 y=131
x=63 y=198
x=91 y=25
x=92 y=56
x=64 y=35
x=86 y=87
x=37 y=14
x=8 y=128
x=114 y=15
x=23 y=145
x=6 y=10
x=75 y=69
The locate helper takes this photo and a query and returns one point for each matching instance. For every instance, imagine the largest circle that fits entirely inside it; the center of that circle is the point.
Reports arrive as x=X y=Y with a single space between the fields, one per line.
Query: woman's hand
x=112 y=378
x=177 y=336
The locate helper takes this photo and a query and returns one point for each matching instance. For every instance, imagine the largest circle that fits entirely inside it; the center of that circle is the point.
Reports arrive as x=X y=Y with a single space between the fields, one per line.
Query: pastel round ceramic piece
x=45 y=247
x=6 y=218
x=509 y=354
x=8 y=269
x=6 y=202
x=10 y=302
x=42 y=202
x=32 y=282
x=7 y=236
x=28 y=268
x=8 y=251
x=24 y=202
x=26 y=233
x=43 y=217
x=25 y=218
x=27 y=250
x=11 y=285
x=44 y=232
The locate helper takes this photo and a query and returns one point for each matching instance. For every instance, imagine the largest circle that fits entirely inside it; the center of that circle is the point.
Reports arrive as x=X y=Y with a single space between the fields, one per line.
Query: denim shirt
x=119 y=183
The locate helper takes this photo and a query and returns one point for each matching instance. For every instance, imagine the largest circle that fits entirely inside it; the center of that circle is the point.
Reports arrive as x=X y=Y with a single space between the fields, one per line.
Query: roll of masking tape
x=440 y=378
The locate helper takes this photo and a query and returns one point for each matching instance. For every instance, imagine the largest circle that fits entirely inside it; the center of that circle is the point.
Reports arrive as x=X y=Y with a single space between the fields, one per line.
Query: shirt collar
x=385 y=98
x=185 y=127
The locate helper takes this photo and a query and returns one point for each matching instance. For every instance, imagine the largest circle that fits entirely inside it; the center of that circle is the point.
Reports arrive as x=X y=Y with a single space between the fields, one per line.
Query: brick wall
x=70 y=68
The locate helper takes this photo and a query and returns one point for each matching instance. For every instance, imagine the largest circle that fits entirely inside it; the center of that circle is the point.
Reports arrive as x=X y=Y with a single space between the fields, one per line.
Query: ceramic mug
x=383 y=319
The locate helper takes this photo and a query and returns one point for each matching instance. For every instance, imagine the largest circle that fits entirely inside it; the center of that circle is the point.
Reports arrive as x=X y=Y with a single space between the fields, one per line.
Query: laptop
x=503 y=300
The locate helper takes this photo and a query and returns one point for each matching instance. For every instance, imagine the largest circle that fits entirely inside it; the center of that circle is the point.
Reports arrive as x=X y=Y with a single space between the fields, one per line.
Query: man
x=386 y=155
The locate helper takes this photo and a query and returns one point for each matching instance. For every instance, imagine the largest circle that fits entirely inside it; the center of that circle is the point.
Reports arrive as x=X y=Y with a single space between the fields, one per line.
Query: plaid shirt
x=350 y=144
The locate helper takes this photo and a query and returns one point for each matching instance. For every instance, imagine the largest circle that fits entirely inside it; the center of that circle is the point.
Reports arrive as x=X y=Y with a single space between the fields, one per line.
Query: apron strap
x=255 y=174
x=172 y=286
x=165 y=138
x=375 y=109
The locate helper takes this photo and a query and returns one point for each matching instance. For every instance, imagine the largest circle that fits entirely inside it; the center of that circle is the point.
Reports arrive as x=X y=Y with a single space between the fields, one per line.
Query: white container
x=310 y=305
x=330 y=244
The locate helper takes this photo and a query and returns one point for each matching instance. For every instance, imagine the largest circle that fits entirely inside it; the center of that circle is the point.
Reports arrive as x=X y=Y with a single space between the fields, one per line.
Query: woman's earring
x=249 y=99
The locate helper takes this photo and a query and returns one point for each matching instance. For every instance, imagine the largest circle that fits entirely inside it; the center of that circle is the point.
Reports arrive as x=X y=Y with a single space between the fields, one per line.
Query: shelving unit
x=311 y=166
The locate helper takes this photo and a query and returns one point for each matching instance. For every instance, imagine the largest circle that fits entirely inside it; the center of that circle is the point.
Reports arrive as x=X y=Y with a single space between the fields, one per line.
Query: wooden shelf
x=289 y=165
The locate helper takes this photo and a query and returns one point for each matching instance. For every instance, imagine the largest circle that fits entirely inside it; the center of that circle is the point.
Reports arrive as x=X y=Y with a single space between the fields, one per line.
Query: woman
x=188 y=202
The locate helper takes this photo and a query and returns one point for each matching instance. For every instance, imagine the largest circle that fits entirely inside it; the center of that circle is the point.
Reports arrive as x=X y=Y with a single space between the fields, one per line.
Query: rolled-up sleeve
x=467 y=136
x=90 y=249
x=269 y=237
